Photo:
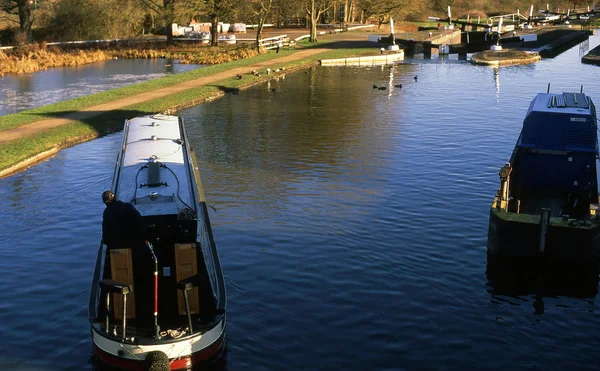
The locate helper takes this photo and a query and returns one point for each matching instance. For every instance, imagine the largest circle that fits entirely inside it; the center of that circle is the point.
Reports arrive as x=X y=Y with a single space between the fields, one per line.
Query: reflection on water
x=21 y=92
x=497 y=82
x=351 y=224
x=540 y=277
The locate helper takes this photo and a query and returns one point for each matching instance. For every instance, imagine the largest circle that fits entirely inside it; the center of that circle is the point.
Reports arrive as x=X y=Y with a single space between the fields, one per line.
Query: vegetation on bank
x=16 y=151
x=190 y=54
x=38 y=57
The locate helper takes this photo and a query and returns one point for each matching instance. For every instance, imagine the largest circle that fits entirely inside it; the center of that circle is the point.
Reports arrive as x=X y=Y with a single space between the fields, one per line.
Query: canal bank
x=31 y=136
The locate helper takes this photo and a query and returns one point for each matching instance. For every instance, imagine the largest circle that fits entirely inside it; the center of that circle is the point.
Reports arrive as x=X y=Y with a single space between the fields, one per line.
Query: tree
x=166 y=11
x=384 y=9
x=168 y=16
x=217 y=9
x=72 y=20
x=211 y=10
x=260 y=9
x=289 y=12
x=22 y=9
x=315 y=9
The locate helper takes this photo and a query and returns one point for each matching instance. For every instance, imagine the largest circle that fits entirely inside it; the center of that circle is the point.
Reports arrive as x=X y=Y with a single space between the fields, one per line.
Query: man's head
x=108 y=197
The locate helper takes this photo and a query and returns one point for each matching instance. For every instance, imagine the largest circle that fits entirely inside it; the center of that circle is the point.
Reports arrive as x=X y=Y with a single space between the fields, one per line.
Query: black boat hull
x=568 y=241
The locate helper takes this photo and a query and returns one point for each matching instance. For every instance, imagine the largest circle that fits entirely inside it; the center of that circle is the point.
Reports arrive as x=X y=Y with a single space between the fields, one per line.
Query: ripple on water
x=351 y=225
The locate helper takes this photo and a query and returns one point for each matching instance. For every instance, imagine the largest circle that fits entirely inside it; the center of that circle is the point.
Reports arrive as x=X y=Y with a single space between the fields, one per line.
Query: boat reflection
x=541 y=277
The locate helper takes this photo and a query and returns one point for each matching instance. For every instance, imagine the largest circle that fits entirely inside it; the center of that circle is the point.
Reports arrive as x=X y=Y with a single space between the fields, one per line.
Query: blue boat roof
x=565 y=103
x=560 y=122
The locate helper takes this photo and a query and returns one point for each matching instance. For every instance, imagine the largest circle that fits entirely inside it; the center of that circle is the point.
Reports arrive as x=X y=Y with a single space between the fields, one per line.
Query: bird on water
x=416 y=77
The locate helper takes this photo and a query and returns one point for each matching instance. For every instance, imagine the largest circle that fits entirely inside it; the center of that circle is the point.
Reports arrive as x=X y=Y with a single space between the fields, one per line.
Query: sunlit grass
x=21 y=149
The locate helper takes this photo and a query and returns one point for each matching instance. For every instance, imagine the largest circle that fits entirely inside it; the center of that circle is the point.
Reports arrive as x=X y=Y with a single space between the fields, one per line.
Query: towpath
x=347 y=39
x=38 y=126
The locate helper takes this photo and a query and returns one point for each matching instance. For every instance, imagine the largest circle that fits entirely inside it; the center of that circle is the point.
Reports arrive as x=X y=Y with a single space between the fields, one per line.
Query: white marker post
x=393 y=47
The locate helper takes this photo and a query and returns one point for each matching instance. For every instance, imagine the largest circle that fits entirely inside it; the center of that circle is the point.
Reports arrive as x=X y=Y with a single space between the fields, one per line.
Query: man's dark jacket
x=122 y=226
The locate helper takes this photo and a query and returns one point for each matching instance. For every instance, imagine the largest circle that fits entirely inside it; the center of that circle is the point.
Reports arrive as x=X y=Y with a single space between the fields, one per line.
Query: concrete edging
x=501 y=61
x=368 y=60
x=592 y=57
x=29 y=162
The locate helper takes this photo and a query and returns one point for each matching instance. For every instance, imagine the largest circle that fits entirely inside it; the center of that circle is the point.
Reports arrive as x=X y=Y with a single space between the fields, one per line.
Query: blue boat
x=547 y=201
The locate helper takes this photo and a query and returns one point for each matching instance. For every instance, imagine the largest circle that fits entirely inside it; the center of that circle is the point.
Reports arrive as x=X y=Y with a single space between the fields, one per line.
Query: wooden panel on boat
x=121 y=269
x=186 y=265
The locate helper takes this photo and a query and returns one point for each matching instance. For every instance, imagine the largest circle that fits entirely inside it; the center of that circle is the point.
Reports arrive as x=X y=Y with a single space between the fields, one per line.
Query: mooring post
x=544 y=224
x=427 y=51
x=504 y=173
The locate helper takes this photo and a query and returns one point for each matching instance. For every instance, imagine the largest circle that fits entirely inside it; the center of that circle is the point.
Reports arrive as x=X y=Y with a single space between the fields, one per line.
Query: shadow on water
x=541 y=277
x=226 y=89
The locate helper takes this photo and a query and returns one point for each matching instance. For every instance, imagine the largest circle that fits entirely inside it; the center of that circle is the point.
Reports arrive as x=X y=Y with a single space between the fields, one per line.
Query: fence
x=274 y=42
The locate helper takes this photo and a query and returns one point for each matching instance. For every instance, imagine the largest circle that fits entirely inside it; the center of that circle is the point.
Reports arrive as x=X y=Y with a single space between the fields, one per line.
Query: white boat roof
x=153 y=173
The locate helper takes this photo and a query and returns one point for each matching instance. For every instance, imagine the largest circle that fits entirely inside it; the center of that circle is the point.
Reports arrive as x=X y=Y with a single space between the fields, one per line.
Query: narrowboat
x=547 y=201
x=163 y=301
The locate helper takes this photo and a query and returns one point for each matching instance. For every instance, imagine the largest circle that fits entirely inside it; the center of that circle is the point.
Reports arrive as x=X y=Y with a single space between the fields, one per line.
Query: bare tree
x=315 y=9
x=260 y=9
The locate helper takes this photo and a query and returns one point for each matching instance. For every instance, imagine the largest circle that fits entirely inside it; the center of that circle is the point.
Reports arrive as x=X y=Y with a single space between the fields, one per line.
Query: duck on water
x=163 y=300
x=547 y=201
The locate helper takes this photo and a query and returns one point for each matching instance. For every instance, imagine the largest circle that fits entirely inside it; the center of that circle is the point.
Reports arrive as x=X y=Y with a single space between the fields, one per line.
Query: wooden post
x=544 y=225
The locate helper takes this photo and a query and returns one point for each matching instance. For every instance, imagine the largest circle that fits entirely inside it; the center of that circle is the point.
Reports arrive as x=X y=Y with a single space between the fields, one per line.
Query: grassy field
x=16 y=151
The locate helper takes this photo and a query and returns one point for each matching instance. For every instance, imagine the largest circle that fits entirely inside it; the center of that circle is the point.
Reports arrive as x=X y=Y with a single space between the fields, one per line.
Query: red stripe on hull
x=179 y=364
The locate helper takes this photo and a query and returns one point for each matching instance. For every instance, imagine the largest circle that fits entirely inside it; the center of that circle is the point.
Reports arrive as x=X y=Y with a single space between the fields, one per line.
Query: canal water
x=21 y=92
x=351 y=224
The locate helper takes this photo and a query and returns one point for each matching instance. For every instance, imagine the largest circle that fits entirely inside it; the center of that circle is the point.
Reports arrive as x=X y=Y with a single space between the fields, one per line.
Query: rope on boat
x=175 y=334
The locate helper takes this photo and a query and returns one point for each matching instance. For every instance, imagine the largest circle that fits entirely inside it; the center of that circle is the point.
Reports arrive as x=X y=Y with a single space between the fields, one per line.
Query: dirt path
x=35 y=127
